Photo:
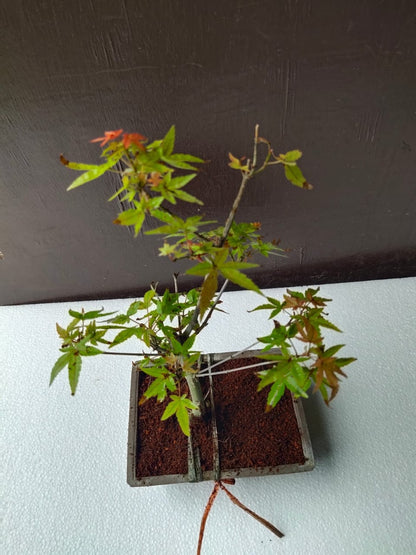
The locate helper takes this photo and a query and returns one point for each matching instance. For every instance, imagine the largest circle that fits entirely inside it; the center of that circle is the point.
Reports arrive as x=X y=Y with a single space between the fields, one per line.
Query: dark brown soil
x=248 y=436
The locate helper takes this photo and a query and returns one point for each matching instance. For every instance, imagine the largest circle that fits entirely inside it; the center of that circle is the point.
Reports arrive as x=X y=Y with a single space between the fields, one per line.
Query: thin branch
x=175 y=281
x=132 y=354
x=192 y=324
x=256 y=139
x=235 y=355
x=203 y=372
x=231 y=215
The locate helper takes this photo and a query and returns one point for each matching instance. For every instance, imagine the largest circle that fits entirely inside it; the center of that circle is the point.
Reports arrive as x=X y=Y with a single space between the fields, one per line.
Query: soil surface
x=248 y=436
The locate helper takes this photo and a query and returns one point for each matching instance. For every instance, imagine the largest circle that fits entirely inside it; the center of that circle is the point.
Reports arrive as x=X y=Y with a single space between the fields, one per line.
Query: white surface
x=65 y=490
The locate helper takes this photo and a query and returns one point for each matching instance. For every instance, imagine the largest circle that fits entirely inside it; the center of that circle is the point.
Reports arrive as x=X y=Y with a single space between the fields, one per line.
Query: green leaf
x=94 y=172
x=200 y=269
x=332 y=350
x=275 y=394
x=180 y=182
x=63 y=334
x=74 y=369
x=160 y=386
x=324 y=323
x=274 y=305
x=340 y=362
x=292 y=384
x=162 y=230
x=91 y=351
x=180 y=407
x=276 y=338
x=171 y=409
x=296 y=294
x=168 y=142
x=120 y=319
x=234 y=163
x=187 y=346
x=147 y=299
x=272 y=375
x=186 y=197
x=324 y=393
x=75 y=314
x=119 y=191
x=263 y=307
x=166 y=217
x=295 y=176
x=153 y=371
x=133 y=216
x=126 y=334
x=239 y=278
x=134 y=307
x=59 y=365
x=292 y=155
x=73 y=324
x=76 y=165
x=180 y=161
x=182 y=415
x=238 y=265
x=96 y=314
x=186 y=158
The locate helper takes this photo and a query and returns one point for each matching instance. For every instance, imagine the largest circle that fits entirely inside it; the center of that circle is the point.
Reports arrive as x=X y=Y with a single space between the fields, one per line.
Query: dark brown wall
x=334 y=78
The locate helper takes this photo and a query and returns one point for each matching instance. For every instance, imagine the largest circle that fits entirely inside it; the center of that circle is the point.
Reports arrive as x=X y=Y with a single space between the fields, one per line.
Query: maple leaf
x=108 y=136
x=134 y=139
x=154 y=179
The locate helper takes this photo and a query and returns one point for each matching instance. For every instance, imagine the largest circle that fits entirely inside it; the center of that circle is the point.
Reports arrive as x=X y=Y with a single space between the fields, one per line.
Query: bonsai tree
x=153 y=179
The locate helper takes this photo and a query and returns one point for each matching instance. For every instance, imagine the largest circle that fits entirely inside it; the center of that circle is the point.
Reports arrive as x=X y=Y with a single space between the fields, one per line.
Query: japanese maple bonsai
x=152 y=180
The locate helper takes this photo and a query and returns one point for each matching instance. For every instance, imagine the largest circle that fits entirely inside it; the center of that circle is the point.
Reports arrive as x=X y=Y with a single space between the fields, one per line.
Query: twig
x=192 y=323
x=231 y=357
x=256 y=139
x=231 y=215
x=203 y=372
x=246 y=176
x=132 y=354
x=175 y=281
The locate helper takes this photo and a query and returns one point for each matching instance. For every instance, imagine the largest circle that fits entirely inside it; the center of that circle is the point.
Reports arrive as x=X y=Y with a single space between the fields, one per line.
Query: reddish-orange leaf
x=154 y=179
x=108 y=136
x=133 y=139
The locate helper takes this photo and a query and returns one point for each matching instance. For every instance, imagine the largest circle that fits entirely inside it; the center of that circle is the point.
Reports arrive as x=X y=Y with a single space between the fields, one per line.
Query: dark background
x=336 y=79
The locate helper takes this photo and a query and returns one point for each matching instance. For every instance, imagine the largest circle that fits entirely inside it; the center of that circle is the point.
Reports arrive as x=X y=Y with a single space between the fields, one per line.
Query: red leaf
x=108 y=136
x=133 y=139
